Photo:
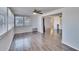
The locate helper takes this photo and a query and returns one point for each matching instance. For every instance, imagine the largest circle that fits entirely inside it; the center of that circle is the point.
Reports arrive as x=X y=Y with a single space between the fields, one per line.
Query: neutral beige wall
x=47 y=22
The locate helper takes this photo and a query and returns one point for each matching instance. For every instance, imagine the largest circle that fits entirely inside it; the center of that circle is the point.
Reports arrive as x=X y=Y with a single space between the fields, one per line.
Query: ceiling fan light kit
x=34 y=13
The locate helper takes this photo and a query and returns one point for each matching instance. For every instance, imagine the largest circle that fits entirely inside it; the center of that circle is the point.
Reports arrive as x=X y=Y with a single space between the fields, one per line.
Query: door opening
x=43 y=25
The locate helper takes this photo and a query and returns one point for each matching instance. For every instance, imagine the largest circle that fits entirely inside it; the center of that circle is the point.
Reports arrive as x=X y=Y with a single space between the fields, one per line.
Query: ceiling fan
x=37 y=11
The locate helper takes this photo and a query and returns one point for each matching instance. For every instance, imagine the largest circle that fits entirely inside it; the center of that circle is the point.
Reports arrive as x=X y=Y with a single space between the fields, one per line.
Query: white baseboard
x=70 y=45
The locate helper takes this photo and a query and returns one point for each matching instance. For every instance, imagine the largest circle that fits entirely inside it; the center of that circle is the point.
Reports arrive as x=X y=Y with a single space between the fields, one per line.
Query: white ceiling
x=28 y=11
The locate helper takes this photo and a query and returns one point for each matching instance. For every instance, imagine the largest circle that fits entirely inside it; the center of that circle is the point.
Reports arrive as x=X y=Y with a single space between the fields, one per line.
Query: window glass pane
x=19 y=21
x=23 y=21
x=3 y=20
x=10 y=19
x=27 y=21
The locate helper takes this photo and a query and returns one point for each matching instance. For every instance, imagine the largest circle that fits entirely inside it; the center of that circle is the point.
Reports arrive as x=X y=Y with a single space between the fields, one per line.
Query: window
x=10 y=20
x=22 y=21
x=6 y=20
x=27 y=21
x=3 y=20
x=19 y=21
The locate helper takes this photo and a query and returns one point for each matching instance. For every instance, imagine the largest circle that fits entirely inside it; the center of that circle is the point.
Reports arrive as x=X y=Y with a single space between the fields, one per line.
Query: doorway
x=43 y=26
x=53 y=23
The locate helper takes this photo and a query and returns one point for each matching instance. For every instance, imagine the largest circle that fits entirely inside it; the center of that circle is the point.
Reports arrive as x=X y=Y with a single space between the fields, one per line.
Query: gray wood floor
x=38 y=42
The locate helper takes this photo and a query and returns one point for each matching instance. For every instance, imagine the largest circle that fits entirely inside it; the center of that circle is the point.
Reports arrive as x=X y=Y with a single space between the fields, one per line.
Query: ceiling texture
x=28 y=11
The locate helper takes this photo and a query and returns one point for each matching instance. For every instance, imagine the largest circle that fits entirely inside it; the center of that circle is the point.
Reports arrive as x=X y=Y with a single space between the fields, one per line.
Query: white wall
x=71 y=27
x=22 y=30
x=37 y=23
x=40 y=24
x=34 y=21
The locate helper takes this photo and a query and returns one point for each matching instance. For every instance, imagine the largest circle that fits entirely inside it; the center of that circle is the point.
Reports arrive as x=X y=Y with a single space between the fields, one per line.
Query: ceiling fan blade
x=40 y=13
x=39 y=10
